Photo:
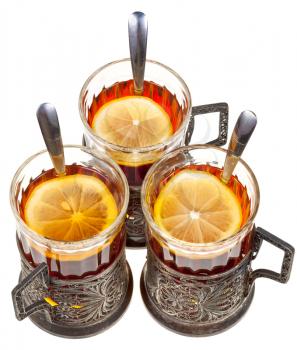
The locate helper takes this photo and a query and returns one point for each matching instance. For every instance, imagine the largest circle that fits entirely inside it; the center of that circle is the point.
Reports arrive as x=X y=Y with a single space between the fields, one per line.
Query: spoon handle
x=138 y=28
x=242 y=132
x=50 y=128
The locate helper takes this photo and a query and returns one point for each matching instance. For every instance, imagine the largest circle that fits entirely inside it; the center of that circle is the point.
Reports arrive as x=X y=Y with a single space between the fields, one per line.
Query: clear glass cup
x=195 y=258
x=120 y=71
x=165 y=87
x=203 y=288
x=58 y=277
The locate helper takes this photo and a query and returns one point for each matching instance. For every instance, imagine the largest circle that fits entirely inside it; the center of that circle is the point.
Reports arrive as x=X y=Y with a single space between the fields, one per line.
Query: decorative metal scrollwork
x=80 y=302
x=135 y=223
x=195 y=299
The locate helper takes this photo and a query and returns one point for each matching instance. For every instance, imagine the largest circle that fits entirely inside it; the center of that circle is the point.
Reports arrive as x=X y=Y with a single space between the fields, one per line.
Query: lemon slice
x=195 y=206
x=132 y=121
x=70 y=208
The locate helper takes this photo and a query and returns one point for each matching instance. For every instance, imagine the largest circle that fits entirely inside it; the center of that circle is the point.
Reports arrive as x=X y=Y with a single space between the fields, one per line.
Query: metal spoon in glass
x=138 y=28
x=50 y=128
x=242 y=132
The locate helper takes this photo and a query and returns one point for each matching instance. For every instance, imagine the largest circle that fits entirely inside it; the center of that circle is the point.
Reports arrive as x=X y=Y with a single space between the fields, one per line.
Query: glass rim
x=115 y=147
x=74 y=245
x=182 y=244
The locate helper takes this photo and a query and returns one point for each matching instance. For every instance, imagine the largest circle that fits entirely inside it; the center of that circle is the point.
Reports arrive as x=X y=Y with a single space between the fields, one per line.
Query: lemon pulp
x=70 y=208
x=132 y=121
x=196 y=207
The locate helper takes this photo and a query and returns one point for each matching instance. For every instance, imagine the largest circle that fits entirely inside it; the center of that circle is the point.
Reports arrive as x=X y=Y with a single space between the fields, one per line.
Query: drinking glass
x=204 y=288
x=167 y=88
x=72 y=289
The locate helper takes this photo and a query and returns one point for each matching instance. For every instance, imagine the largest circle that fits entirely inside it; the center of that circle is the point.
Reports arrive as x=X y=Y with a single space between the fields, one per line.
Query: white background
x=241 y=52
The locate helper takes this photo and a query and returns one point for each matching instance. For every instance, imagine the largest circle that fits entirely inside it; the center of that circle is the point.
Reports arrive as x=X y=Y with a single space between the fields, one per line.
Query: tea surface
x=163 y=103
x=68 y=208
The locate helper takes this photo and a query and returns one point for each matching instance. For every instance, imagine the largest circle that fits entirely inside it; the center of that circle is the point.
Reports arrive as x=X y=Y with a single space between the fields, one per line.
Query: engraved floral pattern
x=135 y=223
x=188 y=298
x=85 y=301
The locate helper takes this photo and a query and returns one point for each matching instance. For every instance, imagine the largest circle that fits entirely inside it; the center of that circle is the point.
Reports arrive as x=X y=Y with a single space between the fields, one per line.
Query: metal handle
x=39 y=276
x=223 y=109
x=287 y=263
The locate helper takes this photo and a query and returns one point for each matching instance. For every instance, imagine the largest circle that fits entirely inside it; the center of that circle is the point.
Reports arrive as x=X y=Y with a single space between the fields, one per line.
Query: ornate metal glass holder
x=206 y=305
x=81 y=307
x=72 y=288
x=198 y=288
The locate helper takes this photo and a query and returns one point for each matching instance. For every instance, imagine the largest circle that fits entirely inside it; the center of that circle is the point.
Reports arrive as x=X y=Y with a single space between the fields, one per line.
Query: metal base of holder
x=41 y=320
x=195 y=305
x=190 y=329
x=73 y=308
x=135 y=244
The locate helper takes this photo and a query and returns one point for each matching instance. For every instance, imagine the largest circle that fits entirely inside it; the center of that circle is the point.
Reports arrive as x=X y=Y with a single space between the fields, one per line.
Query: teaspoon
x=137 y=29
x=241 y=134
x=50 y=128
